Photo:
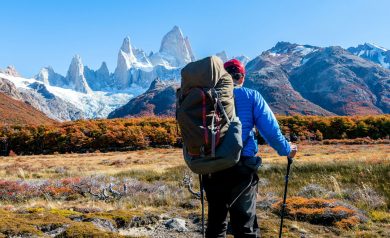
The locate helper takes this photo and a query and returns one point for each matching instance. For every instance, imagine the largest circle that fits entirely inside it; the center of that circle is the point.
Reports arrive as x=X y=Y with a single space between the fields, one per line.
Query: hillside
x=343 y=83
x=17 y=112
x=158 y=100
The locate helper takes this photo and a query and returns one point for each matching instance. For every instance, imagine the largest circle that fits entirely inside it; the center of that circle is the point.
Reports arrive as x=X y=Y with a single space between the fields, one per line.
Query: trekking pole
x=290 y=160
x=202 y=202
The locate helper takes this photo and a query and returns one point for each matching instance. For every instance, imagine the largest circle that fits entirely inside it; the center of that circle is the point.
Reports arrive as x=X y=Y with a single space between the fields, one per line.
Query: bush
x=327 y=212
x=139 y=133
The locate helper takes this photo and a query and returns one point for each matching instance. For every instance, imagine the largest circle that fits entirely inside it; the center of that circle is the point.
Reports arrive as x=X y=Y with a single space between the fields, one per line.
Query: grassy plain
x=72 y=200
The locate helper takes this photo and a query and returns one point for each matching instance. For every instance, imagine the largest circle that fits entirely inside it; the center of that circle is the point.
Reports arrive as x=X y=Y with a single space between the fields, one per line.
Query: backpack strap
x=219 y=103
x=206 y=136
x=213 y=128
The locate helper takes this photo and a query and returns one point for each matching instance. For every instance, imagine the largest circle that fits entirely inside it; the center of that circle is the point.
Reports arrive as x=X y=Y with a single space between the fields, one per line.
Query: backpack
x=205 y=113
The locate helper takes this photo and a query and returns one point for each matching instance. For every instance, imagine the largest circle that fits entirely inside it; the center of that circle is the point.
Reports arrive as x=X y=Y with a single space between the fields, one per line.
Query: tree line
x=139 y=133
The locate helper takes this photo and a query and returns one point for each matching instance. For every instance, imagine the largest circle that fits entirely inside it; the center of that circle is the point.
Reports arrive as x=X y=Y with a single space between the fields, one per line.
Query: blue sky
x=43 y=32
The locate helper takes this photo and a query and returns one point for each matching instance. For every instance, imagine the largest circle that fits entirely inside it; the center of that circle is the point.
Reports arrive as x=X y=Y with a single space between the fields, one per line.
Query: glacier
x=95 y=104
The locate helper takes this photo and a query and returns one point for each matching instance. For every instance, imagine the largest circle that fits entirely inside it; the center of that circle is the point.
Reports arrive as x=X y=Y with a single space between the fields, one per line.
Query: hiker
x=234 y=189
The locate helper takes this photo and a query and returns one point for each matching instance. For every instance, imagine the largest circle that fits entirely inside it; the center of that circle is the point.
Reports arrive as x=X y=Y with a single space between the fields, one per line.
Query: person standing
x=234 y=190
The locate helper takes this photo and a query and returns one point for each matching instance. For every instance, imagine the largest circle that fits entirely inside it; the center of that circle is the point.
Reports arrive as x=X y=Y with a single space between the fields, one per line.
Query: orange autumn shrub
x=328 y=212
x=139 y=133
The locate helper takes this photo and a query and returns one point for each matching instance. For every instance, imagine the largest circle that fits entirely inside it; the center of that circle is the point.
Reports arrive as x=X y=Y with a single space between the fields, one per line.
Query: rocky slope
x=343 y=83
x=38 y=96
x=13 y=112
x=158 y=100
x=273 y=83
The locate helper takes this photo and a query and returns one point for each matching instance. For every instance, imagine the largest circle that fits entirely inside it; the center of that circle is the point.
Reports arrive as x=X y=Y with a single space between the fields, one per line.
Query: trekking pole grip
x=290 y=160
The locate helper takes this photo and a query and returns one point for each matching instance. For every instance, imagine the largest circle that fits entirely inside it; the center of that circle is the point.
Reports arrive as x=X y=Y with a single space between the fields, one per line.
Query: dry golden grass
x=159 y=160
x=332 y=153
x=70 y=165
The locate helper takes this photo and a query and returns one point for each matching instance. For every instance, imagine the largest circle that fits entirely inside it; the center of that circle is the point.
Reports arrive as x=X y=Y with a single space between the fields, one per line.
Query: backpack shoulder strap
x=215 y=94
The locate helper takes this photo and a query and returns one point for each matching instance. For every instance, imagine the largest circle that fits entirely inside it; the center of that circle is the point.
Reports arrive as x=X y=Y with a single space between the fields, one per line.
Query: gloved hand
x=294 y=150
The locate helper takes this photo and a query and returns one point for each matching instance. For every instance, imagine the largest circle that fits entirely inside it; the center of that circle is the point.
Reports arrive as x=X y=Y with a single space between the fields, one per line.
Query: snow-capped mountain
x=10 y=70
x=223 y=55
x=134 y=67
x=175 y=50
x=100 y=79
x=129 y=58
x=49 y=77
x=75 y=78
x=36 y=94
x=86 y=93
x=243 y=59
x=372 y=52
x=63 y=103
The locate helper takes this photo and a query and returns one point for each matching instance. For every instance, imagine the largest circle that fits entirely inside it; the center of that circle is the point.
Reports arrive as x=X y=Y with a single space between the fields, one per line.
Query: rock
x=103 y=224
x=135 y=232
x=176 y=224
x=57 y=232
x=11 y=70
x=143 y=221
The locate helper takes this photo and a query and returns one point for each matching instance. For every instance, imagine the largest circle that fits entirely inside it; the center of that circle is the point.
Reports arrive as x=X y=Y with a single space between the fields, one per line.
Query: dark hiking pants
x=221 y=189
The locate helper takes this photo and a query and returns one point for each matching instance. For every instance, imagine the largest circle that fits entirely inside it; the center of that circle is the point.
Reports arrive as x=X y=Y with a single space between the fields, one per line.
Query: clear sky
x=49 y=32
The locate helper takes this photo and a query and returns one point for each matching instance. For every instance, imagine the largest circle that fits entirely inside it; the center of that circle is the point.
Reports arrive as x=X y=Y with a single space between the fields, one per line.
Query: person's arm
x=268 y=126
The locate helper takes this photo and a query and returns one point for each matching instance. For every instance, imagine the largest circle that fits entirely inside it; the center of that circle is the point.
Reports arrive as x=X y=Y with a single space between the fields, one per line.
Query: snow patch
x=377 y=47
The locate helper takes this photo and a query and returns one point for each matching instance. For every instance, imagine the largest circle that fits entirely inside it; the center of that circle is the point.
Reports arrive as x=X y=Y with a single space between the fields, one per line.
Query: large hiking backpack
x=205 y=113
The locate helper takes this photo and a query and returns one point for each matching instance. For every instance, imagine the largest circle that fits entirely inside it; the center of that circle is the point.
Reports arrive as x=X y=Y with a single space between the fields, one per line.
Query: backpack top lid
x=203 y=73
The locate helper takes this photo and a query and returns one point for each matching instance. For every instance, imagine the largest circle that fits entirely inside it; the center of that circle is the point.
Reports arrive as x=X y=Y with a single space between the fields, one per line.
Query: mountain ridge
x=281 y=74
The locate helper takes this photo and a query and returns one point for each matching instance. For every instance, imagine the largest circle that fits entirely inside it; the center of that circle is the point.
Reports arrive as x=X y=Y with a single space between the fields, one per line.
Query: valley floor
x=142 y=194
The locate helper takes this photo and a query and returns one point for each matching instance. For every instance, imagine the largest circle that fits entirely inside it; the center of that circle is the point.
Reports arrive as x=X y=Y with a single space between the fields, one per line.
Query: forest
x=139 y=133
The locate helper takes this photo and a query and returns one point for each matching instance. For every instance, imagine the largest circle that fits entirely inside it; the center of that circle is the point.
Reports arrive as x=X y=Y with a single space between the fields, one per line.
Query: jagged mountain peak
x=243 y=59
x=48 y=76
x=76 y=61
x=76 y=67
x=126 y=45
x=157 y=83
x=223 y=55
x=375 y=46
x=175 y=48
x=283 y=47
x=11 y=70
x=104 y=68
x=173 y=36
x=373 y=53
x=75 y=78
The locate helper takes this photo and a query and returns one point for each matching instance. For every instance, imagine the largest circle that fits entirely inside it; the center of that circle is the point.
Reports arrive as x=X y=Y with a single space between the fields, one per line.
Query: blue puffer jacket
x=252 y=110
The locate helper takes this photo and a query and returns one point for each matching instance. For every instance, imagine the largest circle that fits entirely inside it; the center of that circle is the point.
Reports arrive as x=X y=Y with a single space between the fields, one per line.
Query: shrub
x=138 y=133
x=328 y=212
